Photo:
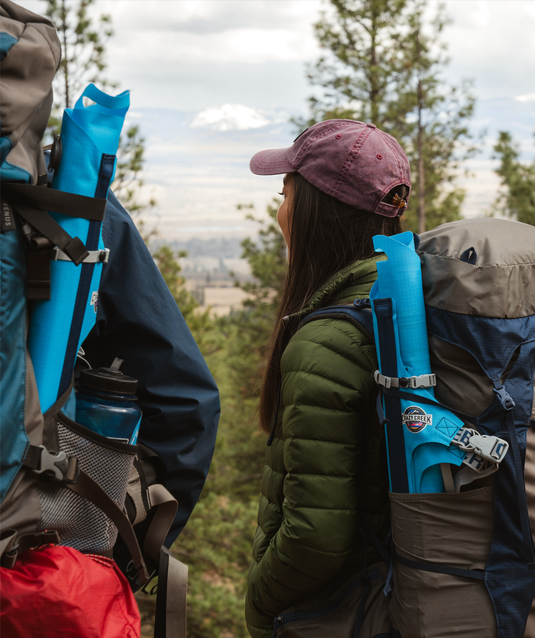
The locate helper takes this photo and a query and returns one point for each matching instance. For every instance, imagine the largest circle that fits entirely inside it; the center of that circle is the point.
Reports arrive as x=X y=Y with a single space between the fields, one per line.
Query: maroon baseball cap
x=352 y=161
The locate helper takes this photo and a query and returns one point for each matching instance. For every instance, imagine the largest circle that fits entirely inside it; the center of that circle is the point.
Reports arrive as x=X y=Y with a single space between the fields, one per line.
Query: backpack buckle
x=58 y=466
x=504 y=397
x=489 y=448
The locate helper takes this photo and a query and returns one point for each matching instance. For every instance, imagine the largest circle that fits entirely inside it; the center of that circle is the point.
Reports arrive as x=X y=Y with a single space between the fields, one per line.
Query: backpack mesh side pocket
x=81 y=524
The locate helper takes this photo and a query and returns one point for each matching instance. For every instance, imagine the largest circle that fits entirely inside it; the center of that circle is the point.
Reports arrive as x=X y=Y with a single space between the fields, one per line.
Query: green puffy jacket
x=327 y=463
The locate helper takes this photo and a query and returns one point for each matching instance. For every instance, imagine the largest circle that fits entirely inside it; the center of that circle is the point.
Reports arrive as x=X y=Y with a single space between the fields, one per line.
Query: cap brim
x=271 y=162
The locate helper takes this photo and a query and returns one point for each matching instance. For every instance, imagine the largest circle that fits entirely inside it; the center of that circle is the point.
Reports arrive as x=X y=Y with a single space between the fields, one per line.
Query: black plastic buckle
x=505 y=398
x=362 y=303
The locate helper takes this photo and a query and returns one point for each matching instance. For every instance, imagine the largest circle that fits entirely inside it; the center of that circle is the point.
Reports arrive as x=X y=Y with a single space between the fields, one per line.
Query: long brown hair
x=326 y=235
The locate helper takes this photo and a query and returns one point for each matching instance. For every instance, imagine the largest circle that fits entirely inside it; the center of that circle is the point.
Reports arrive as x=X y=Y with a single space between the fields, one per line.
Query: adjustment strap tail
x=171 y=610
x=427 y=566
x=383 y=311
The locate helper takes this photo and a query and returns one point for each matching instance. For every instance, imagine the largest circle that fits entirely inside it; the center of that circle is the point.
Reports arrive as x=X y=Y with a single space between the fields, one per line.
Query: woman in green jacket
x=326 y=467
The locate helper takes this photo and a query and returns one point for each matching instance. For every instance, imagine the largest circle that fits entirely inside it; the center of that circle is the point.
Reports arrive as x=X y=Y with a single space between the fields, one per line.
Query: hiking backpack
x=60 y=483
x=462 y=562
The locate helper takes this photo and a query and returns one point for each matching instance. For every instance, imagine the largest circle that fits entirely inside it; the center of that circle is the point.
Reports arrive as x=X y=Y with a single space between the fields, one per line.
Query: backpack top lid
x=30 y=55
x=483 y=267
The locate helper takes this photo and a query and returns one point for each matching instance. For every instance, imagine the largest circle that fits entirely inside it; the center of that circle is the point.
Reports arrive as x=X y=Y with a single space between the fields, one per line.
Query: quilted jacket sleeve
x=308 y=522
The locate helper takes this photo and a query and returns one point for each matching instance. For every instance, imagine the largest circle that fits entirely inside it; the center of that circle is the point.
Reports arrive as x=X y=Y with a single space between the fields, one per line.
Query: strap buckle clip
x=100 y=256
x=58 y=466
x=421 y=381
x=504 y=397
x=490 y=448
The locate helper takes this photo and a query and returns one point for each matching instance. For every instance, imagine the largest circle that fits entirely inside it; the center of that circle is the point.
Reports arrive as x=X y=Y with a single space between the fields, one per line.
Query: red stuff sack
x=58 y=592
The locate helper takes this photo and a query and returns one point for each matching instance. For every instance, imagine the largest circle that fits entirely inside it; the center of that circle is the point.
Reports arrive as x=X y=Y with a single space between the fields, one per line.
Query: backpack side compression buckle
x=58 y=465
x=422 y=381
x=490 y=448
x=100 y=256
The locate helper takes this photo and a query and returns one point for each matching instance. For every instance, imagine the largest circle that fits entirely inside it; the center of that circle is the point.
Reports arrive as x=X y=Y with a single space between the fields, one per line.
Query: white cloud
x=530 y=97
x=230 y=117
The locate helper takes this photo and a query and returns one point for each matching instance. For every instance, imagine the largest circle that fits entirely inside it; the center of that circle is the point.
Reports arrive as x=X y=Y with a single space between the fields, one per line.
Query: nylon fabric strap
x=345 y=311
x=394 y=427
x=43 y=222
x=362 y=607
x=107 y=163
x=166 y=506
x=44 y=199
x=89 y=489
x=379 y=547
x=521 y=492
x=440 y=569
x=32 y=460
x=171 y=609
x=7 y=541
x=38 y=275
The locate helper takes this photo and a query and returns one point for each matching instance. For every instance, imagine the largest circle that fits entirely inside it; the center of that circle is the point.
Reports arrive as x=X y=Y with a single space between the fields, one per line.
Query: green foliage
x=83 y=45
x=216 y=543
x=383 y=65
x=364 y=40
x=518 y=180
x=83 y=61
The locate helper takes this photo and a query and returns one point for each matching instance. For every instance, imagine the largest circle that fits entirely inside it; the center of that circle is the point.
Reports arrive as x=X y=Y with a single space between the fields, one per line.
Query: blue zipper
x=326 y=609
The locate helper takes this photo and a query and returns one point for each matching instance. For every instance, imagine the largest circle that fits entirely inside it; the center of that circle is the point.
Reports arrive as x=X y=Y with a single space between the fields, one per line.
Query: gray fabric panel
x=28 y=153
x=461 y=383
x=21 y=508
x=33 y=418
x=450 y=529
x=134 y=491
x=497 y=285
x=26 y=78
x=176 y=602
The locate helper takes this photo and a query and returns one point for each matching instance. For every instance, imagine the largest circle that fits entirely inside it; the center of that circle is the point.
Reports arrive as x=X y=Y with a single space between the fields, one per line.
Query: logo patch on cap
x=415 y=419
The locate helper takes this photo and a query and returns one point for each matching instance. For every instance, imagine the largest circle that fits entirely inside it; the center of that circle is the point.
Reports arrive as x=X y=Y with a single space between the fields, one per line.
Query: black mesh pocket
x=81 y=524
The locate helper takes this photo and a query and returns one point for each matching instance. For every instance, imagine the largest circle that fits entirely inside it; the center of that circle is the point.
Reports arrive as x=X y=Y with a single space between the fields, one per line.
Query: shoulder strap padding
x=359 y=315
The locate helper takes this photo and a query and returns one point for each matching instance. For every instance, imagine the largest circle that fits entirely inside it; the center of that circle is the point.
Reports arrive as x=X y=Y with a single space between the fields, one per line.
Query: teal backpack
x=60 y=482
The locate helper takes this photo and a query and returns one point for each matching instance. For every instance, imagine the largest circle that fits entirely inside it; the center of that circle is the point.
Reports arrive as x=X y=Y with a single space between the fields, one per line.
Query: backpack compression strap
x=44 y=233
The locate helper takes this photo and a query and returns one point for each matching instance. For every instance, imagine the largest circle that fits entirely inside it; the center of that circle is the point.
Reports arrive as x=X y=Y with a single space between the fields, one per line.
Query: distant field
x=222 y=299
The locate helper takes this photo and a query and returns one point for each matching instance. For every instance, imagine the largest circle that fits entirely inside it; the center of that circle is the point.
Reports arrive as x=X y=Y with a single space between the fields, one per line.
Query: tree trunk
x=421 y=173
x=65 y=52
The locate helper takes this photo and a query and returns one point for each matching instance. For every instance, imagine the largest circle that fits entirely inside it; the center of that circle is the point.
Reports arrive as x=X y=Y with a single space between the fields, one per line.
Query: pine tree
x=518 y=179
x=83 y=52
x=83 y=39
x=383 y=64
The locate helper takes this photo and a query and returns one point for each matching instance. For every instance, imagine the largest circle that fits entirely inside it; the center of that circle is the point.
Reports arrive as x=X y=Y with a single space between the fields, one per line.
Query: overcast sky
x=198 y=55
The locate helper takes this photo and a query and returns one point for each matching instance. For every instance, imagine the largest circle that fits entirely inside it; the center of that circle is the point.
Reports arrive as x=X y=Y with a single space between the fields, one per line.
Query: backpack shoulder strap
x=359 y=313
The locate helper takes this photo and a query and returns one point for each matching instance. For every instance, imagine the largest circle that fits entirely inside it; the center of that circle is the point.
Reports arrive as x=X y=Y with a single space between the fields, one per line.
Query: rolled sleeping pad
x=425 y=430
x=58 y=326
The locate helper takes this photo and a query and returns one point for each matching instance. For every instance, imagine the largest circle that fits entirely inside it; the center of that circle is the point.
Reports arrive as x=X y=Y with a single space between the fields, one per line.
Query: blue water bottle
x=106 y=403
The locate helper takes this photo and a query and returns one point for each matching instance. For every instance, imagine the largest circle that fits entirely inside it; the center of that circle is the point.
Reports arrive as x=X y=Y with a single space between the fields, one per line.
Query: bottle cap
x=110 y=380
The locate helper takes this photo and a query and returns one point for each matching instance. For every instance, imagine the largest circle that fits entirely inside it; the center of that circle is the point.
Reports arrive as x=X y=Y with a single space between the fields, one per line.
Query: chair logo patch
x=415 y=419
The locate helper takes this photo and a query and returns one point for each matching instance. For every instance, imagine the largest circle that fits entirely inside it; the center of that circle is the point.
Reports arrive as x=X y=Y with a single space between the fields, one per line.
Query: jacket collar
x=348 y=284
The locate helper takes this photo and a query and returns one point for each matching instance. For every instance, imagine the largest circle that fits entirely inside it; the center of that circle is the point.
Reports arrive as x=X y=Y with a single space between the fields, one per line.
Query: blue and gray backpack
x=60 y=482
x=452 y=315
